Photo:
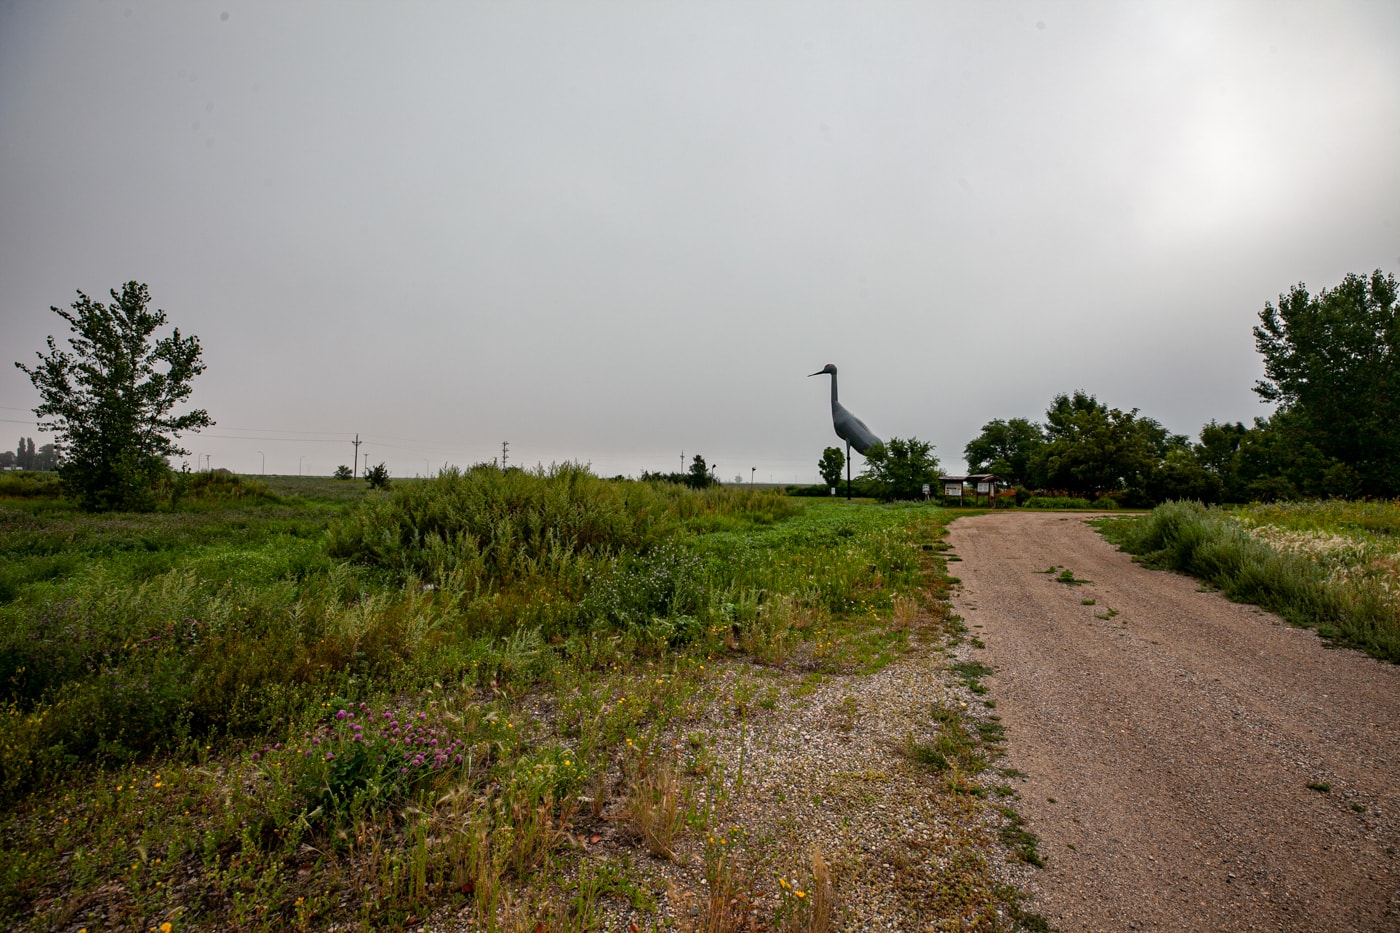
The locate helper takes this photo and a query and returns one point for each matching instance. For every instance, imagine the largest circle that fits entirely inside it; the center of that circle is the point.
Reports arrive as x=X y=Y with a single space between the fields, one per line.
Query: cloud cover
x=613 y=231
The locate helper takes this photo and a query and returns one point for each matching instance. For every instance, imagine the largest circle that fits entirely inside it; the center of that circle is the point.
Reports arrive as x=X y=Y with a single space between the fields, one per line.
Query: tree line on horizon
x=26 y=456
x=1331 y=362
x=1332 y=367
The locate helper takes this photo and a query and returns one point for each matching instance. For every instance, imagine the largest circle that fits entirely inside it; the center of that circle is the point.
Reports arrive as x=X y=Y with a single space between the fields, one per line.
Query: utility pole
x=355 y=464
x=682 y=461
x=505 y=445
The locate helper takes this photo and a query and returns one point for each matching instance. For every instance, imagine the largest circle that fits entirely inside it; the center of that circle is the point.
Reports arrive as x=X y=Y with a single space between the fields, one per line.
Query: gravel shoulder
x=1168 y=740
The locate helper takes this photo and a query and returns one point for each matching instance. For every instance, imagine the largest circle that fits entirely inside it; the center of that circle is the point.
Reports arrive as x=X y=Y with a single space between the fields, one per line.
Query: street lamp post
x=264 y=462
x=752 y=471
x=299 y=459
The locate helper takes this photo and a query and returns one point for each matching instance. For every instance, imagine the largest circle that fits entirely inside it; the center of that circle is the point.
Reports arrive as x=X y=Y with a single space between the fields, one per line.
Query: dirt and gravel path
x=1189 y=763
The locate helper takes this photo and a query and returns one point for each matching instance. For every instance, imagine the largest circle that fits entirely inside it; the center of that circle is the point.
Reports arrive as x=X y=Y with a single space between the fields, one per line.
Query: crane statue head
x=848 y=427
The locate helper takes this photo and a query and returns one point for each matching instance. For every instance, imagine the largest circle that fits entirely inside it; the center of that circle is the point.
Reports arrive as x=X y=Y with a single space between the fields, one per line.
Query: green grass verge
x=299 y=709
x=1215 y=547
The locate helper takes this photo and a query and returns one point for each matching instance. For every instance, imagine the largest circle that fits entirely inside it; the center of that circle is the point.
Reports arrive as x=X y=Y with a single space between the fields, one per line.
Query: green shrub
x=488 y=526
x=1056 y=502
x=377 y=476
x=29 y=485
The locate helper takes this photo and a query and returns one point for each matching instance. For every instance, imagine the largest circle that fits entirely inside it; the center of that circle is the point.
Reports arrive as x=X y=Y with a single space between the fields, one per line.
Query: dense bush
x=488 y=524
x=211 y=488
x=25 y=485
x=1057 y=502
x=861 y=488
x=901 y=468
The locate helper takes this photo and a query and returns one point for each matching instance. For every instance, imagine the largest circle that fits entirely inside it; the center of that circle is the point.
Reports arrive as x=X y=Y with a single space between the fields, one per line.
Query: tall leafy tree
x=699 y=475
x=1091 y=448
x=1218 y=453
x=830 y=466
x=900 y=468
x=46 y=458
x=1006 y=448
x=110 y=398
x=1332 y=362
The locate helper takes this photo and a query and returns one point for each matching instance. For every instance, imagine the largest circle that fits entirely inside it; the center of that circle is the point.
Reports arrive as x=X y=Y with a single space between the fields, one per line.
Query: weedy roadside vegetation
x=1333 y=566
x=300 y=704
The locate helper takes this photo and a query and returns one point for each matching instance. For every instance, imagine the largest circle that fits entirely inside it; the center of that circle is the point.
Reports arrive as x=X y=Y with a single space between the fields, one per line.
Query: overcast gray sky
x=615 y=231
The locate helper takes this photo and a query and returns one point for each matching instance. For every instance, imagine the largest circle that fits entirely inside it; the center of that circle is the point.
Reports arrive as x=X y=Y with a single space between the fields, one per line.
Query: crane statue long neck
x=834 y=402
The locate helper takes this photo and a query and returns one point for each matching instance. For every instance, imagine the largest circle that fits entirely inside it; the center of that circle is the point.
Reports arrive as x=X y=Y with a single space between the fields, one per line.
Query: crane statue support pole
x=848 y=427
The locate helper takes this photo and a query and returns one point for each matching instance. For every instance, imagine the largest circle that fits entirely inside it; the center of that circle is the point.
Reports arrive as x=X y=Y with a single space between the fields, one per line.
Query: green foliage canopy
x=900 y=468
x=377 y=476
x=1006 y=448
x=1332 y=362
x=830 y=466
x=699 y=476
x=1092 y=448
x=110 y=399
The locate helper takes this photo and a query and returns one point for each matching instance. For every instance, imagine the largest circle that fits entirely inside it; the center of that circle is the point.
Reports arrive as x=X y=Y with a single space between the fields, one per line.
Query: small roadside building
x=985 y=488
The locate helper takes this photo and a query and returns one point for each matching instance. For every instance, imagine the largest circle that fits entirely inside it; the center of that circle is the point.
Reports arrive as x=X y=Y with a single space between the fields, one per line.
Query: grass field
x=296 y=703
x=1331 y=565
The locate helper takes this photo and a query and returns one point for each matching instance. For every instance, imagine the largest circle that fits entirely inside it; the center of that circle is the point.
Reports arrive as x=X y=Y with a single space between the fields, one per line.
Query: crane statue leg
x=848 y=471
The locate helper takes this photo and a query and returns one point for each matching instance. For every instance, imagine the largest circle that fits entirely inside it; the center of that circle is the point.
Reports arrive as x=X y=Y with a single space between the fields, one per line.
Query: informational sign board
x=952 y=489
x=984 y=488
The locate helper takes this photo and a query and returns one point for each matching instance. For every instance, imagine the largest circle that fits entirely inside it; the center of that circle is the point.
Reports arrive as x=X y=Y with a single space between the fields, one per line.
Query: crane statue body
x=848 y=427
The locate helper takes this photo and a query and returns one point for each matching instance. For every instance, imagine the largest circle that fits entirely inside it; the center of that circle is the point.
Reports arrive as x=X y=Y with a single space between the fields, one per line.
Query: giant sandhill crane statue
x=848 y=427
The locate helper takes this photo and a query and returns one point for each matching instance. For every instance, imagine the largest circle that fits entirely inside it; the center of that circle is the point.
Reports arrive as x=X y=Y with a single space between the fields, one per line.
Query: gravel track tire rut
x=1168 y=740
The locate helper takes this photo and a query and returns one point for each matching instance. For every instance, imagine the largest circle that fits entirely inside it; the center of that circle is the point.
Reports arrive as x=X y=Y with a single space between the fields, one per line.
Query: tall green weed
x=28 y=485
x=487 y=526
x=1212 y=546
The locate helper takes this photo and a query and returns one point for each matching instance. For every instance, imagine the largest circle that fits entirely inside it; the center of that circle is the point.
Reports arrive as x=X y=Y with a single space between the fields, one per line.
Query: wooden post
x=848 y=471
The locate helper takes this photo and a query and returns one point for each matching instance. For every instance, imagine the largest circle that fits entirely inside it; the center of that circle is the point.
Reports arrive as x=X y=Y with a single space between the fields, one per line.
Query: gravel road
x=1189 y=763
